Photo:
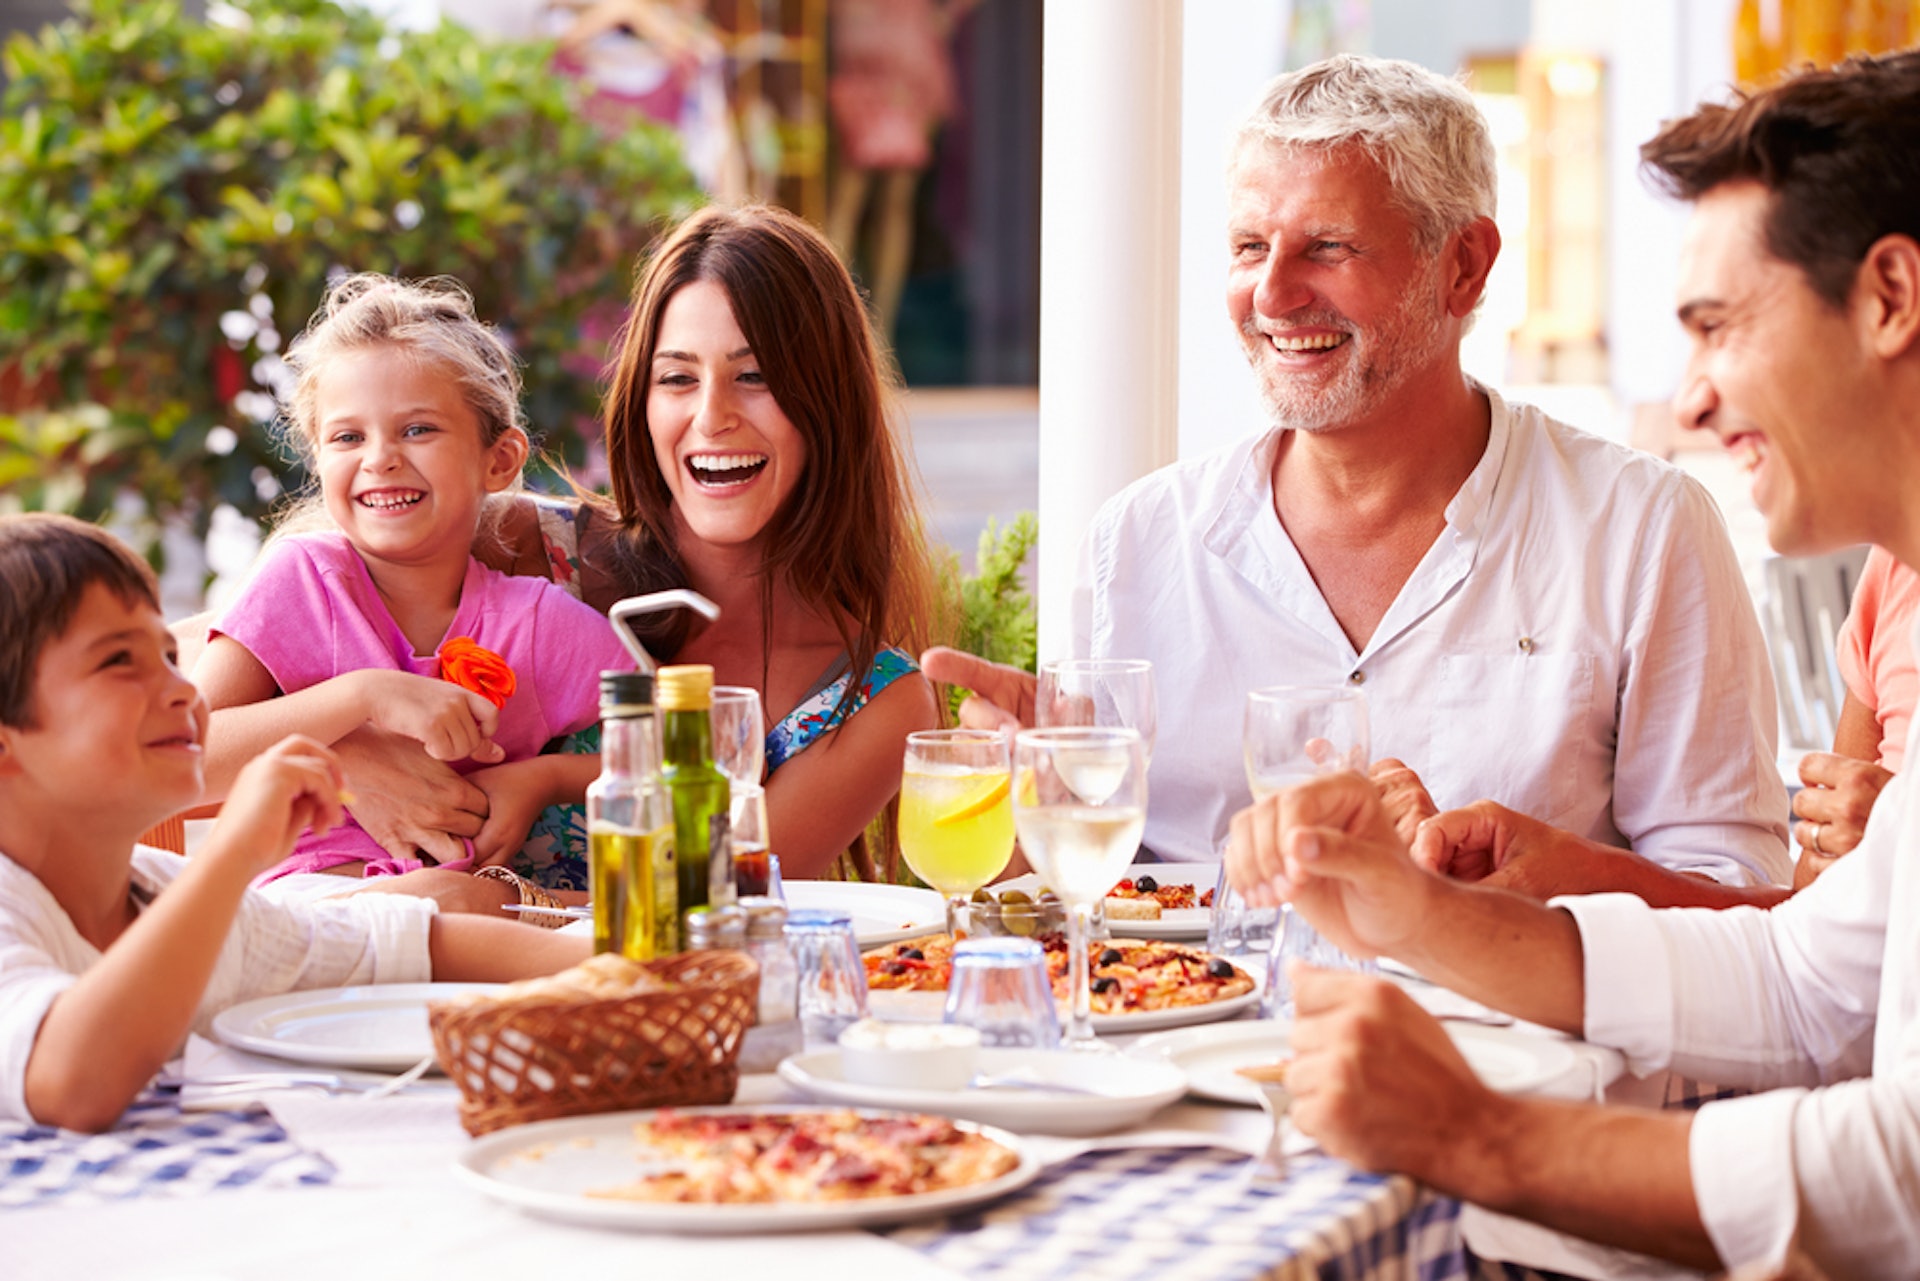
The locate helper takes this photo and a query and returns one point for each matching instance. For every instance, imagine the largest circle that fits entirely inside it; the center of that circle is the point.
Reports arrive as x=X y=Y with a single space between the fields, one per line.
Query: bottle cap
x=625 y=693
x=686 y=688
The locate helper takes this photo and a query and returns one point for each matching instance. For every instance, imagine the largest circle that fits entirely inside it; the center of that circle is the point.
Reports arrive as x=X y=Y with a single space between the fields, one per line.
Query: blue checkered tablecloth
x=1189 y=1213
x=156 y=1150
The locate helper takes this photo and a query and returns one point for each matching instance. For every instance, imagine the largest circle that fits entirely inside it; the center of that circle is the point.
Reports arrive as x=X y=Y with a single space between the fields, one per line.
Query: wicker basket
x=546 y=1056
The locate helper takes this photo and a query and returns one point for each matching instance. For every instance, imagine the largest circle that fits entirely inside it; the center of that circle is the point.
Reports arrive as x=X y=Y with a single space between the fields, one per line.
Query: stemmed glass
x=1080 y=805
x=740 y=750
x=956 y=815
x=1293 y=733
x=1116 y=693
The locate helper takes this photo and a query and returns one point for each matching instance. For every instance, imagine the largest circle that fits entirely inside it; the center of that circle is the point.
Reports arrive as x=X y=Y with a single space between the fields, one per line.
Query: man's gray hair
x=1422 y=128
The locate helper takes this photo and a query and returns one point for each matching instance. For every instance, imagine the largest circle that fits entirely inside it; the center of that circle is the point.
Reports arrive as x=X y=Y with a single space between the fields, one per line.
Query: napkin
x=375 y=1142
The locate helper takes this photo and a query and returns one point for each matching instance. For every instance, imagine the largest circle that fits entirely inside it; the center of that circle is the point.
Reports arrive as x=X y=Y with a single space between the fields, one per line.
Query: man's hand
x=407 y=801
x=1002 y=696
x=452 y=723
x=1377 y=1080
x=294 y=785
x=1404 y=796
x=1328 y=847
x=1833 y=806
x=1476 y=841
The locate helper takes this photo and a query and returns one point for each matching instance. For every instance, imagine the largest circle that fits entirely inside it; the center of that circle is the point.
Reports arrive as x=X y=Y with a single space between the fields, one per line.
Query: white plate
x=1510 y=1061
x=548 y=1168
x=1185 y=923
x=381 y=1028
x=881 y=913
x=1130 y=1090
x=930 y=1007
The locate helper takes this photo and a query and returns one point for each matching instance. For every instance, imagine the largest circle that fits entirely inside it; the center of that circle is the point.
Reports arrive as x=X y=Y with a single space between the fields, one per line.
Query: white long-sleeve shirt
x=1820 y=996
x=1577 y=644
x=271 y=947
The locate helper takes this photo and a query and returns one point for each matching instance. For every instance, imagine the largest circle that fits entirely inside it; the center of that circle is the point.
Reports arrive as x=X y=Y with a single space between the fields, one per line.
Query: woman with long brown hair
x=751 y=436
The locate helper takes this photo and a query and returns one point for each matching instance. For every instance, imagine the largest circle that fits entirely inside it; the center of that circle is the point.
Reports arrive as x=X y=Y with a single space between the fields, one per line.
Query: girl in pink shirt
x=407 y=410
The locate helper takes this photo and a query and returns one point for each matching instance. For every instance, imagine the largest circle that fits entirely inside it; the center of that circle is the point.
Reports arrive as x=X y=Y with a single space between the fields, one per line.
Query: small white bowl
x=910 y=1056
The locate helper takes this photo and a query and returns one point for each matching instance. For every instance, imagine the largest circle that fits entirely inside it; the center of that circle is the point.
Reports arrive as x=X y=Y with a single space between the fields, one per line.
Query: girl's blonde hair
x=434 y=318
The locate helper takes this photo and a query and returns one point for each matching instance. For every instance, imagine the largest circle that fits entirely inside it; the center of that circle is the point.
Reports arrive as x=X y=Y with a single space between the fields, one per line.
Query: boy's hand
x=452 y=723
x=294 y=785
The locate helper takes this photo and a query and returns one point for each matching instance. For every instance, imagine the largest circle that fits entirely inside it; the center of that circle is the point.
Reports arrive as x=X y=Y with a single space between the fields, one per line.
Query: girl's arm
x=821 y=799
x=479 y=949
x=250 y=715
x=517 y=792
x=105 y=1037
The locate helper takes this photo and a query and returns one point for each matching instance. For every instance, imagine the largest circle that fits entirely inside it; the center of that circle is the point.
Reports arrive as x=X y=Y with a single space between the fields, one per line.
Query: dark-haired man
x=1800 y=288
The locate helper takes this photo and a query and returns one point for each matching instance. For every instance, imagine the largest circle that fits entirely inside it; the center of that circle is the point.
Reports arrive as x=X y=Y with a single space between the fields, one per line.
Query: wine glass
x=1293 y=733
x=1116 y=693
x=739 y=735
x=1080 y=805
x=956 y=815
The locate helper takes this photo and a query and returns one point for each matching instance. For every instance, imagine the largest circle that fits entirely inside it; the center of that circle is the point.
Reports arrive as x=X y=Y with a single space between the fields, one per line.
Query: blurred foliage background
x=177 y=192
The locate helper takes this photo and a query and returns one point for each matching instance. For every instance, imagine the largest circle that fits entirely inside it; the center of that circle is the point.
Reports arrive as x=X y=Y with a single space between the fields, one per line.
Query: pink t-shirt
x=311 y=612
x=1876 y=658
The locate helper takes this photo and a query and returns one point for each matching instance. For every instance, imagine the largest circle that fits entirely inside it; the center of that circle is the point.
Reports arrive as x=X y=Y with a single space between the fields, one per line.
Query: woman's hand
x=1837 y=797
x=516 y=794
x=452 y=723
x=407 y=801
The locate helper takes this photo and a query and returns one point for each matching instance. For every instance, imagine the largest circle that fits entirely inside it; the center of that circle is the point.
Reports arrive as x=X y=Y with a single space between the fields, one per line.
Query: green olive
x=1009 y=898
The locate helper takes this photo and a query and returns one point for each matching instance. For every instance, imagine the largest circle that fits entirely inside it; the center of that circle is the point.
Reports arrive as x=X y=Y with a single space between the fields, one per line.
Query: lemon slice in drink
x=977 y=806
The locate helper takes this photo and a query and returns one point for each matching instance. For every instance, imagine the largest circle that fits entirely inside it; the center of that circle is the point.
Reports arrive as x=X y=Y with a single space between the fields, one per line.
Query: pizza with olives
x=833 y=1155
x=1171 y=898
x=1129 y=976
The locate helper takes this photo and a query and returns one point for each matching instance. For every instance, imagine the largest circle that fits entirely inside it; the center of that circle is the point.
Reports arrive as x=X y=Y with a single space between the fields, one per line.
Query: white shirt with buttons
x=1577 y=644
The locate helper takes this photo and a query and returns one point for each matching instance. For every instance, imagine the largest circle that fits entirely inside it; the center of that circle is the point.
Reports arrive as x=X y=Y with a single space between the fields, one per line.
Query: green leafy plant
x=177 y=192
x=994 y=617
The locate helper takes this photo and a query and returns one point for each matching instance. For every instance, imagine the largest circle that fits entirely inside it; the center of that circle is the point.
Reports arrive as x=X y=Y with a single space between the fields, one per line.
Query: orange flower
x=481 y=670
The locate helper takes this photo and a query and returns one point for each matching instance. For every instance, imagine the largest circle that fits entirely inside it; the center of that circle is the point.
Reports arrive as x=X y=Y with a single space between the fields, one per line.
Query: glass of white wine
x=1080 y=805
x=1115 y=693
x=1293 y=733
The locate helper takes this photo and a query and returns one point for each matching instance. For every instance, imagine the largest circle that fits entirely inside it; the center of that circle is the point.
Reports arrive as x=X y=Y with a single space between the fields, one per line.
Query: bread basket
x=607 y=1036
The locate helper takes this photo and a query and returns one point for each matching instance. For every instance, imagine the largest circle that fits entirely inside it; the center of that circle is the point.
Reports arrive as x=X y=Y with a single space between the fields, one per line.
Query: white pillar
x=1109 y=269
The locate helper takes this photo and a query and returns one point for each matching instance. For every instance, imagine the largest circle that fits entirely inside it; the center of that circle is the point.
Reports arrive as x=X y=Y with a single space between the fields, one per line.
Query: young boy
x=102 y=974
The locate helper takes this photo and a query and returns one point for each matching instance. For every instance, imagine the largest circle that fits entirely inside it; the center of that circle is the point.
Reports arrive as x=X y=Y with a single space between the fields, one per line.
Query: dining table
x=299 y=1182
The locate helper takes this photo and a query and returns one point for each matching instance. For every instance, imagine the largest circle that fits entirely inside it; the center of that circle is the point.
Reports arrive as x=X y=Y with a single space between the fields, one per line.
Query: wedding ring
x=1813 y=842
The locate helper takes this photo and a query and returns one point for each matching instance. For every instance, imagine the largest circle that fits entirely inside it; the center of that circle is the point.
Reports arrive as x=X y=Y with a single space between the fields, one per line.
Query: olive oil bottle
x=630 y=845
x=695 y=786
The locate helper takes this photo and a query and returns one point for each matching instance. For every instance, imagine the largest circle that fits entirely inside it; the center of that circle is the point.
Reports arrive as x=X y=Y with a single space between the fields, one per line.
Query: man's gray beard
x=1406 y=343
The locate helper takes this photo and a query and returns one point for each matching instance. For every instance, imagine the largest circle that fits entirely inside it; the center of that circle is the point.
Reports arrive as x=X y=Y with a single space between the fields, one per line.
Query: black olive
x=1110 y=957
x=1219 y=968
x=1106 y=983
x=892 y=967
x=1145 y=884
x=912 y=954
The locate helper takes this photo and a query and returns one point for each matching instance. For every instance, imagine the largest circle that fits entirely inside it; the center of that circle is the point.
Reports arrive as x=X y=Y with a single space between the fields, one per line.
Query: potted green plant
x=177 y=192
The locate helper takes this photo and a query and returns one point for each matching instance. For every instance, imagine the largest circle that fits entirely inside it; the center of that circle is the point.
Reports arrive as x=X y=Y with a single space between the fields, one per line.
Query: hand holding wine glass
x=1080 y=806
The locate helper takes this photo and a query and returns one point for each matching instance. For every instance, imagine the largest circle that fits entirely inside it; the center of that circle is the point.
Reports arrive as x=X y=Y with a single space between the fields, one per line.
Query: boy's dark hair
x=47 y=562
x=1836 y=149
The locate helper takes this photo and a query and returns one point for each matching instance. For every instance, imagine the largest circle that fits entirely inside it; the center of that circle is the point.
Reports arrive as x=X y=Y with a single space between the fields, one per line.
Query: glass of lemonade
x=1080 y=805
x=956 y=813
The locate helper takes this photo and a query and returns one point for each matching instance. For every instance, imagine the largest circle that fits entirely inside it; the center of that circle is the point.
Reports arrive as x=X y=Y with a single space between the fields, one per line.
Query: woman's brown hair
x=848 y=540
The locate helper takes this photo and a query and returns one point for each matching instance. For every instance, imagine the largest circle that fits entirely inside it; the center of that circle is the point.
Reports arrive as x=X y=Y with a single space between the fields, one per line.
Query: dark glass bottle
x=695 y=786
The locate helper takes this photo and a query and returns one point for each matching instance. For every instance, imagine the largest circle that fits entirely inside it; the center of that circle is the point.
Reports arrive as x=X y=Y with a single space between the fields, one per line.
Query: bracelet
x=531 y=895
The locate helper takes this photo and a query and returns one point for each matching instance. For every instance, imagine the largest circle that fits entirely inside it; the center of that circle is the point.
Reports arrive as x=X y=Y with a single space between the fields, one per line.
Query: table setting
x=1109 y=1103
